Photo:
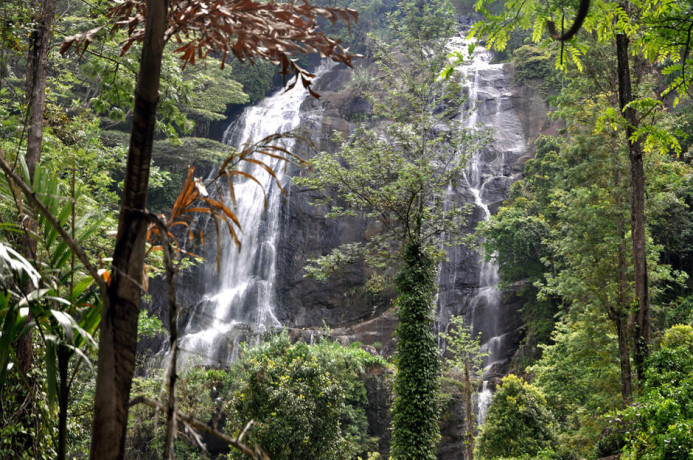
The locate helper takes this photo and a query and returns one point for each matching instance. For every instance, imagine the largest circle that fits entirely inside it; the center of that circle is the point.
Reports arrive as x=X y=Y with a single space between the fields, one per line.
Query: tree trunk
x=624 y=359
x=171 y=409
x=468 y=437
x=622 y=315
x=37 y=61
x=63 y=400
x=415 y=431
x=118 y=338
x=637 y=207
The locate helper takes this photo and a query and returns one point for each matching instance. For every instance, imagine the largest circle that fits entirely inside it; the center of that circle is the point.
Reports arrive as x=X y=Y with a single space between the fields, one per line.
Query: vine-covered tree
x=398 y=176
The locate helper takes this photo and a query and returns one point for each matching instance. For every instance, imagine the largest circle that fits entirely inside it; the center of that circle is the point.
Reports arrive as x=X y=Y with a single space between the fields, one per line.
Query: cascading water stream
x=239 y=303
x=489 y=94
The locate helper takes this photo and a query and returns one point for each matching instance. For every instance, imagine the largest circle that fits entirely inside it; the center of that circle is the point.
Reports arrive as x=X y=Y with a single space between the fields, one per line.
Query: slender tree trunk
x=637 y=206
x=468 y=440
x=63 y=400
x=37 y=62
x=171 y=409
x=622 y=313
x=118 y=338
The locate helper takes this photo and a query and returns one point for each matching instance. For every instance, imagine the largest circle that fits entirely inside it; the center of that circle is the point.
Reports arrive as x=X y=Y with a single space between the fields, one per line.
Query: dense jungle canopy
x=115 y=175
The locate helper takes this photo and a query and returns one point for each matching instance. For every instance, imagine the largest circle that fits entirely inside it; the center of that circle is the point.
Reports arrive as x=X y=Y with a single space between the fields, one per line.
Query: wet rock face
x=517 y=116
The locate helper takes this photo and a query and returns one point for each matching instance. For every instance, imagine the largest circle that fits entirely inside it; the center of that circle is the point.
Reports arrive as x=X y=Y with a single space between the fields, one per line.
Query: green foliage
x=213 y=88
x=661 y=421
x=579 y=375
x=149 y=326
x=518 y=422
x=398 y=173
x=680 y=335
x=535 y=64
x=415 y=410
x=462 y=348
x=17 y=425
x=307 y=401
x=257 y=78
x=197 y=391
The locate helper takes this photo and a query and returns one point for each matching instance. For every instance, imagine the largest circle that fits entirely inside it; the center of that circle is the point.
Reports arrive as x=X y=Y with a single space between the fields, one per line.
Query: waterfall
x=239 y=300
x=488 y=178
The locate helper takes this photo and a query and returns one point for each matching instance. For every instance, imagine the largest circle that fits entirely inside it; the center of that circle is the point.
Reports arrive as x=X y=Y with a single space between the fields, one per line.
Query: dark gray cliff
x=343 y=302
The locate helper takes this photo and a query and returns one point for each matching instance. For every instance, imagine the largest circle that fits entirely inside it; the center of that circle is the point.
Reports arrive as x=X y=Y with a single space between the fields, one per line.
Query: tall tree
x=246 y=29
x=620 y=24
x=37 y=63
x=398 y=174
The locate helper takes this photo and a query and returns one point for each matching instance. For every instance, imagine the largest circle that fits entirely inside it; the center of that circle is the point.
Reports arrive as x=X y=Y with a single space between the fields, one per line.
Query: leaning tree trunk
x=637 y=207
x=468 y=435
x=121 y=307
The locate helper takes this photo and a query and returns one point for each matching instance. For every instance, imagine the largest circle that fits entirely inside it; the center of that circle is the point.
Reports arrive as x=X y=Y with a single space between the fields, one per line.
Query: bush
x=306 y=401
x=662 y=417
x=680 y=335
x=518 y=423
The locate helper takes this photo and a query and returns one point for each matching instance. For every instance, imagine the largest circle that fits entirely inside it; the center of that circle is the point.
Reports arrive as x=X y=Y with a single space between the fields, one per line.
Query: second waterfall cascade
x=488 y=176
x=239 y=303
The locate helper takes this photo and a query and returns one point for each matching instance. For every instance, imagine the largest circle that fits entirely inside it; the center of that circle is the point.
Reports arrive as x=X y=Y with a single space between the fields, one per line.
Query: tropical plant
x=660 y=424
x=61 y=307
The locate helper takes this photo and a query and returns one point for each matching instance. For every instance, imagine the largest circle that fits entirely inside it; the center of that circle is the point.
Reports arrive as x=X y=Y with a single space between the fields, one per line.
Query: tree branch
x=258 y=454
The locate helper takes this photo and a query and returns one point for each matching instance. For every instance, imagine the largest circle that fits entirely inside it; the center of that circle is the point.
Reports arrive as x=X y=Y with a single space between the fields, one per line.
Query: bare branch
x=579 y=19
x=256 y=454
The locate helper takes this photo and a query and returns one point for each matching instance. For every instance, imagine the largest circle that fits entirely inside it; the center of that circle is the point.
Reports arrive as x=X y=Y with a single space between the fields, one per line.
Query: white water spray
x=240 y=301
x=489 y=169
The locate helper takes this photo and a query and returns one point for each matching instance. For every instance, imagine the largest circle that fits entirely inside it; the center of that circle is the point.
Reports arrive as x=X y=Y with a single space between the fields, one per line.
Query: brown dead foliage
x=246 y=29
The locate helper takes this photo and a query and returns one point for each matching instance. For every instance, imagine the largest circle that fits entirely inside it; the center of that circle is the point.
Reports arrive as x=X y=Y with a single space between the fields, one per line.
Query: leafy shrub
x=518 y=423
x=680 y=335
x=306 y=401
x=662 y=417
